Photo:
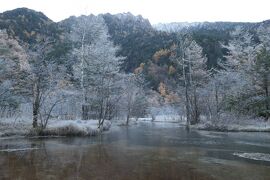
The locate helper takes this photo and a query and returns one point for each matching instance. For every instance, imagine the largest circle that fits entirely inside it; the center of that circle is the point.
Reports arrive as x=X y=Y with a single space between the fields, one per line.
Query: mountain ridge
x=138 y=39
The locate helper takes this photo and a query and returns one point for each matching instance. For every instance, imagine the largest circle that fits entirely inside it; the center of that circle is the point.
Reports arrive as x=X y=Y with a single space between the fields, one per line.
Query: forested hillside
x=27 y=25
x=137 y=38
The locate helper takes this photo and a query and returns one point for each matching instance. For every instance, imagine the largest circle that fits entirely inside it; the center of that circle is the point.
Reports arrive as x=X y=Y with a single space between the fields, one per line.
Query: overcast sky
x=155 y=10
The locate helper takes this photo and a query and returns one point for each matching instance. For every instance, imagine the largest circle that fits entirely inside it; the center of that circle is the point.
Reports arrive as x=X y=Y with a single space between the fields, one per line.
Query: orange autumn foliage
x=139 y=69
x=160 y=53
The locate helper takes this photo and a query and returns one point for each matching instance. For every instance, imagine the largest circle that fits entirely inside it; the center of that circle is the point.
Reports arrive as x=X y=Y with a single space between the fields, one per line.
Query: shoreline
x=232 y=128
x=61 y=128
x=82 y=128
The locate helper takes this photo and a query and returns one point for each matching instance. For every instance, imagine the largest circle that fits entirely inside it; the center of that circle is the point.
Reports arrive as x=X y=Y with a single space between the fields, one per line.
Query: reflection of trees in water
x=122 y=162
x=22 y=164
x=46 y=162
x=75 y=159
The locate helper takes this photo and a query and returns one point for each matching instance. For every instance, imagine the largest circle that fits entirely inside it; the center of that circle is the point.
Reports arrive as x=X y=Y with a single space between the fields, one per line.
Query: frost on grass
x=231 y=122
x=55 y=128
x=10 y=127
x=254 y=156
x=75 y=128
x=166 y=114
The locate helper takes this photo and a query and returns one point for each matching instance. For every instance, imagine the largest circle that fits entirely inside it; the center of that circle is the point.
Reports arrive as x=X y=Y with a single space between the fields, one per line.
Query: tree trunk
x=196 y=117
x=153 y=117
x=35 y=115
x=187 y=106
x=85 y=111
x=85 y=107
x=127 y=119
x=216 y=98
x=128 y=108
x=36 y=104
x=101 y=113
x=267 y=116
x=186 y=96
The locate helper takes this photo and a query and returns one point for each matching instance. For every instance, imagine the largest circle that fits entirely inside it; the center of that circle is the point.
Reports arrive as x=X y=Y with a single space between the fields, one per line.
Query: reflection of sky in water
x=143 y=151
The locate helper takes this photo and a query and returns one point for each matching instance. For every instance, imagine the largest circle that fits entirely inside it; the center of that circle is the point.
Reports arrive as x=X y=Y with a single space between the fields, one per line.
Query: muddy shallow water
x=143 y=151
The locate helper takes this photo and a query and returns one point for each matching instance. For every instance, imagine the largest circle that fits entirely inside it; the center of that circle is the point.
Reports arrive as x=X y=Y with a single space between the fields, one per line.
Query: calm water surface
x=143 y=151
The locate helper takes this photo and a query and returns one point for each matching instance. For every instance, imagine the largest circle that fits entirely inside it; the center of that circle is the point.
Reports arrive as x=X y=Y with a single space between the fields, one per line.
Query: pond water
x=143 y=151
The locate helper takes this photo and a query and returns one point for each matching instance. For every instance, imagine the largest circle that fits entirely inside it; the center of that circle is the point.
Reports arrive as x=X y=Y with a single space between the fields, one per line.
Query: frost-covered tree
x=12 y=60
x=97 y=68
x=242 y=49
x=234 y=75
x=103 y=75
x=221 y=88
x=188 y=56
x=198 y=76
x=248 y=60
x=85 y=30
x=179 y=57
x=39 y=79
x=261 y=80
x=134 y=102
x=263 y=34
